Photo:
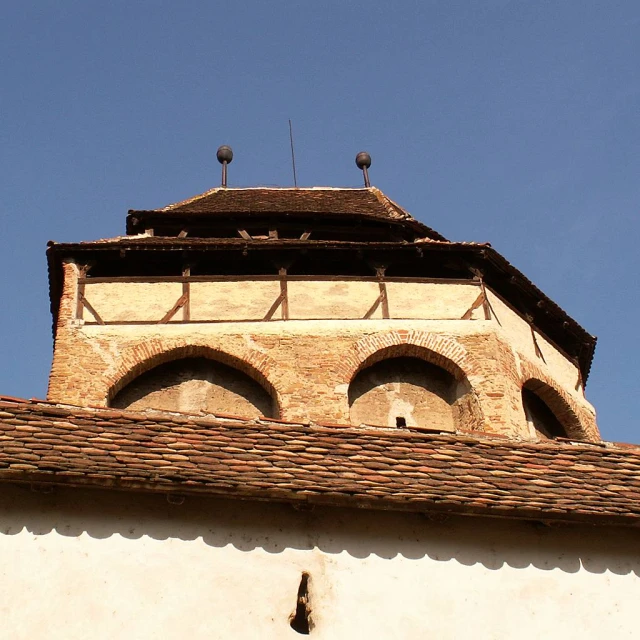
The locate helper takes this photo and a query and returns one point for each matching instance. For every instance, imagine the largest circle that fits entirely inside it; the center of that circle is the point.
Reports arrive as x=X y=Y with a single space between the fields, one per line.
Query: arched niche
x=405 y=391
x=196 y=384
x=547 y=414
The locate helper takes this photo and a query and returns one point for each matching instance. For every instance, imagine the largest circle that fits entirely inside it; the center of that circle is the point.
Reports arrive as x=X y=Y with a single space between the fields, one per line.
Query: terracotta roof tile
x=369 y=202
x=363 y=467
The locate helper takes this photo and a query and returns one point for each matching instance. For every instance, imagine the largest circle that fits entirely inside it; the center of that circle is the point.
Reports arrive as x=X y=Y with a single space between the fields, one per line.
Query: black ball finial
x=224 y=154
x=363 y=160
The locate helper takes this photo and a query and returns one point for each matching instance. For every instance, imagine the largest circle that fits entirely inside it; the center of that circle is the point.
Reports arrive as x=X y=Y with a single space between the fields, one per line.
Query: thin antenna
x=293 y=156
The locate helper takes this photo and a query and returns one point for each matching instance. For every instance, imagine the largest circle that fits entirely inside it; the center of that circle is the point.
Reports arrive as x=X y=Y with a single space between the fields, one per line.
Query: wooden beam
x=282 y=272
x=179 y=304
x=85 y=303
x=384 y=300
x=82 y=273
x=490 y=311
x=244 y=235
x=372 y=309
x=183 y=233
x=267 y=277
x=536 y=345
x=305 y=235
x=273 y=308
x=580 y=382
x=478 y=302
x=186 y=294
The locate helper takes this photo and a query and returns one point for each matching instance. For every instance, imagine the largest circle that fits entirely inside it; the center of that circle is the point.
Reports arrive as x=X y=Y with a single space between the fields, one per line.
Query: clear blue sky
x=516 y=123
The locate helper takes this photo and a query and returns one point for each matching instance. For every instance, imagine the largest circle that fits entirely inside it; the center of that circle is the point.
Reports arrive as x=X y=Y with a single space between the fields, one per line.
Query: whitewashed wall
x=77 y=565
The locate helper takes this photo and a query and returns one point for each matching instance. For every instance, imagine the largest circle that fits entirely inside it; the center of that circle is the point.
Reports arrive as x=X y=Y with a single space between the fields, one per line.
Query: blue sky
x=515 y=123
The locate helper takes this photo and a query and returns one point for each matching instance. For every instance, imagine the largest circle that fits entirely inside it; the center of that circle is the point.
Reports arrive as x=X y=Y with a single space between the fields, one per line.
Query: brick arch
x=143 y=357
x=561 y=404
x=438 y=350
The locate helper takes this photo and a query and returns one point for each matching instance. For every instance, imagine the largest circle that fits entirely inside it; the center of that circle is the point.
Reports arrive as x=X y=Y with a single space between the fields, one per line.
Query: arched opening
x=542 y=421
x=194 y=385
x=410 y=392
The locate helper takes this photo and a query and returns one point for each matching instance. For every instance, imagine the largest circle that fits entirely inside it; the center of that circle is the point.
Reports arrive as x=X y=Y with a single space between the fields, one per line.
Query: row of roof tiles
x=369 y=203
x=365 y=467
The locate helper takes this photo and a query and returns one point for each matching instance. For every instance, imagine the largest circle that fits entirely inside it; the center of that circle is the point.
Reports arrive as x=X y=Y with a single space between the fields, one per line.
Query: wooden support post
x=282 y=272
x=244 y=235
x=305 y=235
x=273 y=234
x=183 y=233
x=580 y=382
x=82 y=272
x=186 y=294
x=486 y=305
x=489 y=310
x=282 y=300
x=536 y=346
x=384 y=300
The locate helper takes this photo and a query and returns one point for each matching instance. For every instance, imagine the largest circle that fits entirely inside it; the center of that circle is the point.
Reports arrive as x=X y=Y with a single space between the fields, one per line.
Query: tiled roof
x=287 y=200
x=360 y=467
x=369 y=202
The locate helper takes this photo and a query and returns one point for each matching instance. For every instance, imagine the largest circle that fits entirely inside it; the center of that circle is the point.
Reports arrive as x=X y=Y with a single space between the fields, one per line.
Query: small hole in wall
x=300 y=620
x=401 y=421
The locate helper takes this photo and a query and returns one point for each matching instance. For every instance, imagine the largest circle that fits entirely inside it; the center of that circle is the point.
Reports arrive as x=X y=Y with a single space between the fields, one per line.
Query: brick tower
x=325 y=305
x=276 y=412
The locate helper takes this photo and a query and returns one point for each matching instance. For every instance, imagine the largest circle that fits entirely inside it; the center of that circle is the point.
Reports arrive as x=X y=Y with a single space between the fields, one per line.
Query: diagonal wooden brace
x=182 y=300
x=87 y=305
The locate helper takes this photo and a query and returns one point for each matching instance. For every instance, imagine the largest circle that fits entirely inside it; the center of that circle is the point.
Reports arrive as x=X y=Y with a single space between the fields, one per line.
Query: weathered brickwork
x=307 y=365
x=196 y=385
x=403 y=392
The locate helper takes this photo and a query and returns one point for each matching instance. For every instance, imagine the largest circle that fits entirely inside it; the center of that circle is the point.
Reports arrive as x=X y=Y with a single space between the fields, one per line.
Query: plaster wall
x=78 y=564
x=246 y=300
x=518 y=332
x=231 y=300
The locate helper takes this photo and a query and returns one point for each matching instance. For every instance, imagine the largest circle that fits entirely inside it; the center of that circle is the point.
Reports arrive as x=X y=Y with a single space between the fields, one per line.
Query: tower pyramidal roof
x=367 y=203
